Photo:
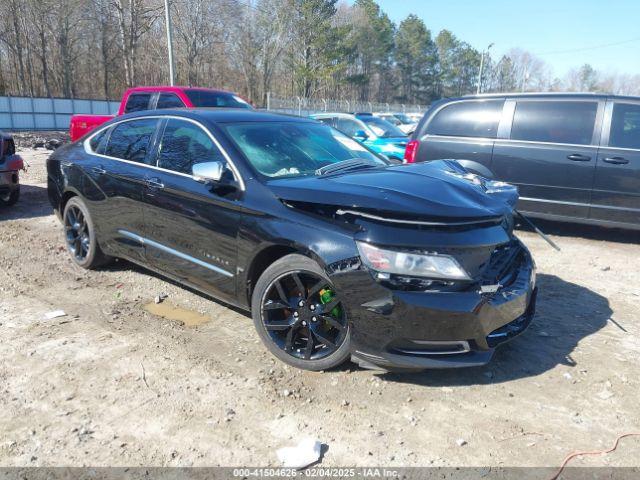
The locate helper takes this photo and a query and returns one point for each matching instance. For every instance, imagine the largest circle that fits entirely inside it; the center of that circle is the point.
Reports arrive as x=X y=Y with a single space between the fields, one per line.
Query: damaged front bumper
x=395 y=329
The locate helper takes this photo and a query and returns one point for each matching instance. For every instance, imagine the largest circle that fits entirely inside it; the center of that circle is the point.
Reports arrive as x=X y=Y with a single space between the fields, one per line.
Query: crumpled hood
x=439 y=189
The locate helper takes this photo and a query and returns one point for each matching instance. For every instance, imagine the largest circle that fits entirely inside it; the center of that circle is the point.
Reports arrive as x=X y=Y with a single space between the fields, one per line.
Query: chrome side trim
x=171 y=251
x=230 y=163
x=576 y=204
x=414 y=222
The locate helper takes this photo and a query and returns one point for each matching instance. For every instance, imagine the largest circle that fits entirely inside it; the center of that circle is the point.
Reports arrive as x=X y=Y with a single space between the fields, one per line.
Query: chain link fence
x=308 y=106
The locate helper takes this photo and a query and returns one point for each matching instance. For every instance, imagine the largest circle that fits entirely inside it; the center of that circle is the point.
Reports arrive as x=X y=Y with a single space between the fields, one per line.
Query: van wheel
x=11 y=198
x=299 y=314
x=80 y=235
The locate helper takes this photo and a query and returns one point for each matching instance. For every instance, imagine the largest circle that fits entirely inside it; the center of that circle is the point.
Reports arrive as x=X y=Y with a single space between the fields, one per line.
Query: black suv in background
x=573 y=157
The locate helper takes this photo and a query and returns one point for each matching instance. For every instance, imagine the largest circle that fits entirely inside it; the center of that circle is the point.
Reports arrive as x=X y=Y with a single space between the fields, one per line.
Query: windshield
x=292 y=149
x=382 y=128
x=404 y=119
x=206 y=98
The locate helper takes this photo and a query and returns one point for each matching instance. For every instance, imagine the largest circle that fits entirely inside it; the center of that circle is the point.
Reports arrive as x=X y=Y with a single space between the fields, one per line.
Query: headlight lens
x=412 y=264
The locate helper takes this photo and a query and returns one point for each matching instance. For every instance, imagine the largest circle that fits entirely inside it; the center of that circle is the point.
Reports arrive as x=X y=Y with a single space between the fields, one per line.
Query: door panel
x=551 y=155
x=548 y=181
x=472 y=150
x=190 y=231
x=616 y=189
x=116 y=172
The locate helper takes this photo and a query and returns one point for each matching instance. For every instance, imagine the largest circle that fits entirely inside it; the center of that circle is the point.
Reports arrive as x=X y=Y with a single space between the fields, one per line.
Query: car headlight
x=413 y=264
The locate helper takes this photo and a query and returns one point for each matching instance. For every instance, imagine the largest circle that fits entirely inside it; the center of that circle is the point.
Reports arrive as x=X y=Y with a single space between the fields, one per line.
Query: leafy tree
x=315 y=44
x=416 y=58
x=371 y=45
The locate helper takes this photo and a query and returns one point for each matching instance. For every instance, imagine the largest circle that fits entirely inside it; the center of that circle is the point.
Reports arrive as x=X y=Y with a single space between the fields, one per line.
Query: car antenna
x=538 y=231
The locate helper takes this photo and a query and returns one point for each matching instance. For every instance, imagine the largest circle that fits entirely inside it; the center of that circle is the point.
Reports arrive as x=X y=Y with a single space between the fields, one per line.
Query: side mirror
x=361 y=135
x=208 y=172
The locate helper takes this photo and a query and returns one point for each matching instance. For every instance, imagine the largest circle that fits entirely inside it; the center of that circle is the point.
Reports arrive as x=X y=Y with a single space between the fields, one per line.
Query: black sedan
x=336 y=253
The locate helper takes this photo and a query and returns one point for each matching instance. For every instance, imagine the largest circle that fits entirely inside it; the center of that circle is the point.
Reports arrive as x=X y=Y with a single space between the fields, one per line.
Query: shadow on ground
x=566 y=314
x=33 y=203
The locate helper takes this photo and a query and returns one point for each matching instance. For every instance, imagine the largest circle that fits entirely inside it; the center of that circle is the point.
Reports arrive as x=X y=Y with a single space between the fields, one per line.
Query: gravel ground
x=112 y=384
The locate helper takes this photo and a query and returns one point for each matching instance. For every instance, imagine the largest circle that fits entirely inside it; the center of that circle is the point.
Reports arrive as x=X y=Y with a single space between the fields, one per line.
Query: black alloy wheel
x=77 y=233
x=80 y=236
x=301 y=317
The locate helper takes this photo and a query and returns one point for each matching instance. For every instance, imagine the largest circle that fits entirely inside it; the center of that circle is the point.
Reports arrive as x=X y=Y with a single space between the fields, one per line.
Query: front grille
x=502 y=265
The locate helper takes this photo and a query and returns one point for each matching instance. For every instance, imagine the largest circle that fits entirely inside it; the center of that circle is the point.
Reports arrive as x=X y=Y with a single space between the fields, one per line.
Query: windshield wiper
x=348 y=164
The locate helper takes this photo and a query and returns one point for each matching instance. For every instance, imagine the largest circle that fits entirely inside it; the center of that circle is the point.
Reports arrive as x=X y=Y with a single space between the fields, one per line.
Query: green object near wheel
x=326 y=296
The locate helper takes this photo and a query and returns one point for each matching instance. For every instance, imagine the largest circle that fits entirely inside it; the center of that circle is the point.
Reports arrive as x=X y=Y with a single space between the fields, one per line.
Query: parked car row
x=336 y=251
x=377 y=134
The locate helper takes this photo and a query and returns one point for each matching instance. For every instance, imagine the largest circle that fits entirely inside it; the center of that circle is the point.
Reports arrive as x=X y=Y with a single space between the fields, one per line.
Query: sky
x=563 y=33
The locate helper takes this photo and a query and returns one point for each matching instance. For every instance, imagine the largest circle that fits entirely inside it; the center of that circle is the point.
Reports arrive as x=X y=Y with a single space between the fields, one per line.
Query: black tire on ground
x=94 y=256
x=11 y=198
x=289 y=264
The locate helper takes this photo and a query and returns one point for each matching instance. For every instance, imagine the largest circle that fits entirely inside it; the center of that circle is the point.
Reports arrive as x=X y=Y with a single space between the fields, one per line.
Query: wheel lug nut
x=301 y=303
x=295 y=314
x=314 y=319
x=304 y=324
x=312 y=307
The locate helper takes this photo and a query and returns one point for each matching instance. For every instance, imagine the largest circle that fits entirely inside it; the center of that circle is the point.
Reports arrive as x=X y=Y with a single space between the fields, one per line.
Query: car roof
x=515 y=95
x=221 y=115
x=175 y=88
x=330 y=114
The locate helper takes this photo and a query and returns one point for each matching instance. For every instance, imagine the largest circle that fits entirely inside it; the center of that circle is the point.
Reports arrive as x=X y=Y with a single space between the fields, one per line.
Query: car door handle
x=616 y=160
x=576 y=157
x=98 y=170
x=154 y=183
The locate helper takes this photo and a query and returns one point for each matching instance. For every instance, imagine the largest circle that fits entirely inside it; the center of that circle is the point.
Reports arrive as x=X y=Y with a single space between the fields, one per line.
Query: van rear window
x=479 y=118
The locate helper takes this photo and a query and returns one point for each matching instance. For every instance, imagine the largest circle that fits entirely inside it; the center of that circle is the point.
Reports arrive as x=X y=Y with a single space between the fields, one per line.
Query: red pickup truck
x=151 y=98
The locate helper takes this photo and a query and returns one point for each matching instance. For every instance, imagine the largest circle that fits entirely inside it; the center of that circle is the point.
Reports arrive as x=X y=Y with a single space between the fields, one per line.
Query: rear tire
x=80 y=236
x=292 y=319
x=11 y=198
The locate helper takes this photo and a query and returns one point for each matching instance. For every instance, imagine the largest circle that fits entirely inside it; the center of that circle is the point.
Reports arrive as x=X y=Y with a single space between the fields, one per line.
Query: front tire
x=299 y=315
x=80 y=235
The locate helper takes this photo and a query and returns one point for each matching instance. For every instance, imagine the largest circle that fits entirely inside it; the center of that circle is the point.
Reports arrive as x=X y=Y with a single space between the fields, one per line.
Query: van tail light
x=411 y=152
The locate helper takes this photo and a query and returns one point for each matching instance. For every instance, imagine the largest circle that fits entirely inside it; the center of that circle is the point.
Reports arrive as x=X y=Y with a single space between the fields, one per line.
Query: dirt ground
x=111 y=384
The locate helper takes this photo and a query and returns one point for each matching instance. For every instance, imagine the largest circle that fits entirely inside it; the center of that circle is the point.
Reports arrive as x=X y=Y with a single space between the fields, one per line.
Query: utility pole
x=167 y=16
x=479 y=89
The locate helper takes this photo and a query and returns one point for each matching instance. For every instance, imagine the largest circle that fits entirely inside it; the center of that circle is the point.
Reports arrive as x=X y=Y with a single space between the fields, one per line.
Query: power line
x=585 y=49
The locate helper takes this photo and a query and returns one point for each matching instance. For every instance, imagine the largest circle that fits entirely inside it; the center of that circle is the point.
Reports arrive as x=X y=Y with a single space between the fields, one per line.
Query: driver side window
x=185 y=144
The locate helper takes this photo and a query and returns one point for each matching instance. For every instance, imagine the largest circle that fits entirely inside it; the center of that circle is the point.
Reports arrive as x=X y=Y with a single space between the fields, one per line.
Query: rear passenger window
x=130 y=140
x=137 y=102
x=169 y=100
x=554 y=122
x=468 y=119
x=98 y=142
x=184 y=145
x=625 y=126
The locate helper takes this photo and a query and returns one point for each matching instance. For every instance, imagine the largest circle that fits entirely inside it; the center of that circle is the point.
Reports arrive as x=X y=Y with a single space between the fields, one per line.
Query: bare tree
x=135 y=18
